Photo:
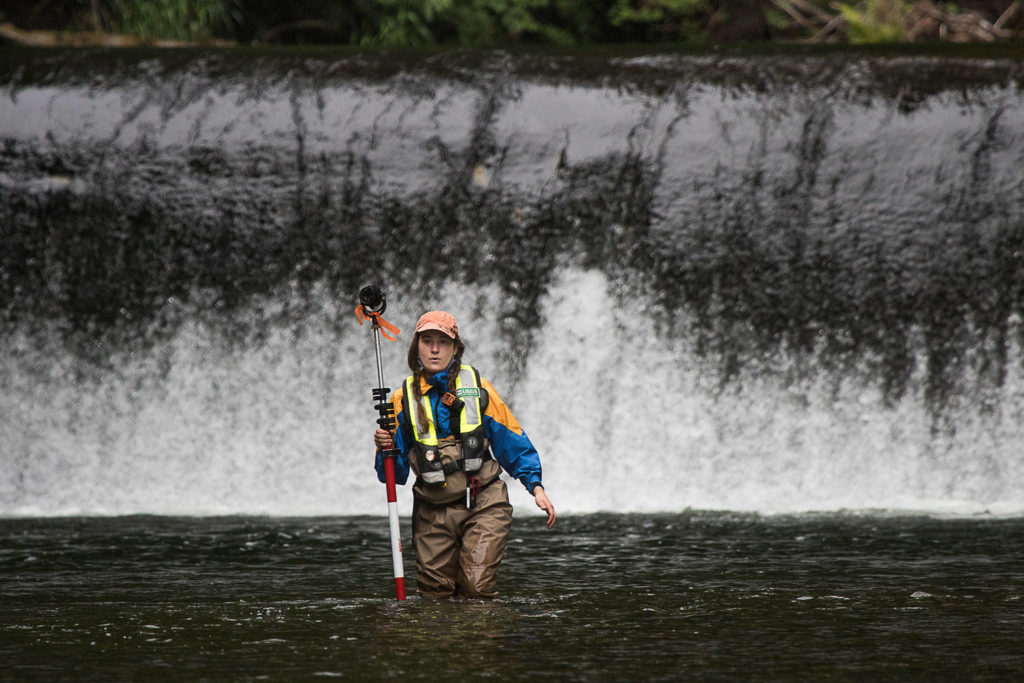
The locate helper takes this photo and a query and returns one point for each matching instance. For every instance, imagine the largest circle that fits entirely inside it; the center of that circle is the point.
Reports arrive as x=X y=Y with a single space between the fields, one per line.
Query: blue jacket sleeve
x=511 y=446
x=402 y=459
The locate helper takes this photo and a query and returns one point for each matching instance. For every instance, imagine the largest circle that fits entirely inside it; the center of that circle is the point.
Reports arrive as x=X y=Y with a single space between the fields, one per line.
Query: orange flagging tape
x=378 y=321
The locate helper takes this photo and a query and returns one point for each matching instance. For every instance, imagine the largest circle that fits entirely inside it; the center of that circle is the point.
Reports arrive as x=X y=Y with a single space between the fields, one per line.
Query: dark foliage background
x=417 y=23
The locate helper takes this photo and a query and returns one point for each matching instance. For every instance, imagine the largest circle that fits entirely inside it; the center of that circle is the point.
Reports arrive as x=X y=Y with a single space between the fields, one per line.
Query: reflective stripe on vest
x=466 y=389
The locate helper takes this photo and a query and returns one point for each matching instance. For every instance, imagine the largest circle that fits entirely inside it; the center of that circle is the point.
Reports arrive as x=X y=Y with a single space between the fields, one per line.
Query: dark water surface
x=602 y=597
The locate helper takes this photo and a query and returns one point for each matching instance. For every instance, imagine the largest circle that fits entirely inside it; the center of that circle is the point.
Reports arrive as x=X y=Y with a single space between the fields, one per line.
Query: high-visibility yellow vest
x=467 y=389
x=469 y=431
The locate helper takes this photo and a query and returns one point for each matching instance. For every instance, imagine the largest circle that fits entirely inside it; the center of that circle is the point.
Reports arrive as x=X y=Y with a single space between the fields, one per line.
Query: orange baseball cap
x=438 y=320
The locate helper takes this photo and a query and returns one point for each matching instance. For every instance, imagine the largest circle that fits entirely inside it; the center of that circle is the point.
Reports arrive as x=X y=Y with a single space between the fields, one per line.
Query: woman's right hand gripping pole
x=383 y=440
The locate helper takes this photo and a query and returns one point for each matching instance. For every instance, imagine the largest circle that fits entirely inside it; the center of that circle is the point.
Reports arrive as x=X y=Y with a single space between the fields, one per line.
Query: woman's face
x=436 y=350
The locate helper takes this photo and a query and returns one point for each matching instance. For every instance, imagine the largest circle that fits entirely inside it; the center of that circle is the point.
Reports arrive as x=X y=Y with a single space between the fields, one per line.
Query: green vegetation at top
x=419 y=23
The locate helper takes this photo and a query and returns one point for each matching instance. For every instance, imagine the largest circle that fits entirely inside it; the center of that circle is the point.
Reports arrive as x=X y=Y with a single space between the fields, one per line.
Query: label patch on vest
x=472 y=392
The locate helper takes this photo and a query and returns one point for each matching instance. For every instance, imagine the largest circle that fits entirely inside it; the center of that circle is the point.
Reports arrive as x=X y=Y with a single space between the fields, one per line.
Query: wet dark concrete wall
x=855 y=212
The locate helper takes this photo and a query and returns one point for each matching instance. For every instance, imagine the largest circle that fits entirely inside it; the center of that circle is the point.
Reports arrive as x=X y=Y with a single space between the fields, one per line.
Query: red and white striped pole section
x=387 y=421
x=396 y=534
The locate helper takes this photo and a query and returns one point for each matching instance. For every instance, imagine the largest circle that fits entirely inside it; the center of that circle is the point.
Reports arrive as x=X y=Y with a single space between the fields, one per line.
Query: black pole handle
x=387 y=416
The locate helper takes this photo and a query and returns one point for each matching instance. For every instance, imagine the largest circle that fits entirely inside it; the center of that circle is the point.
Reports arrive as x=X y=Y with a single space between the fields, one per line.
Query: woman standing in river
x=456 y=435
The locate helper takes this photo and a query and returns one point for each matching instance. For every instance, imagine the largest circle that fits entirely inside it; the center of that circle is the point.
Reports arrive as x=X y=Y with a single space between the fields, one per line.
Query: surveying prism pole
x=372 y=303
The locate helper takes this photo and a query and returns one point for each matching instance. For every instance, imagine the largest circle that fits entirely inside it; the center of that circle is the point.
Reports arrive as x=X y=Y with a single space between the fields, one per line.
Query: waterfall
x=769 y=283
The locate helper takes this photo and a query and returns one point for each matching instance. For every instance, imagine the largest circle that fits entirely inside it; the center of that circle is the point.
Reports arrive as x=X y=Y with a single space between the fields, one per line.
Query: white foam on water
x=626 y=421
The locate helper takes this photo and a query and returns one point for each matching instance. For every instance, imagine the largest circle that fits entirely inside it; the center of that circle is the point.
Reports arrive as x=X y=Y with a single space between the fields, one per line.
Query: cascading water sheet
x=765 y=283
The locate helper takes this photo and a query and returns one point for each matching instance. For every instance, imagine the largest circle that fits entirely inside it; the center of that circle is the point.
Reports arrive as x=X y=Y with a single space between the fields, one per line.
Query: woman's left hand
x=544 y=504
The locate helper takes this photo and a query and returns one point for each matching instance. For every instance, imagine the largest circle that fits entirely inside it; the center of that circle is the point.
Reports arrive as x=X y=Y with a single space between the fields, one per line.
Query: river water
x=706 y=596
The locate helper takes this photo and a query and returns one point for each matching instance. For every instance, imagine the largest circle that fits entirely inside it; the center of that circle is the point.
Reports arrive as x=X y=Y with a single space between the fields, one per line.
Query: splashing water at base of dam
x=279 y=426
x=769 y=283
